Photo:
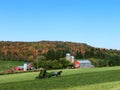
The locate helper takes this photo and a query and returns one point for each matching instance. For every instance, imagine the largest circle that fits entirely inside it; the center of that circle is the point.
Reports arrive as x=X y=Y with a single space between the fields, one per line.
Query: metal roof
x=84 y=61
x=20 y=66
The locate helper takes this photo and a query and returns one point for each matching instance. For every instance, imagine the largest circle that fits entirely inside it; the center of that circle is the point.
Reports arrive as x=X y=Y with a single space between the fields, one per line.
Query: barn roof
x=84 y=61
x=20 y=66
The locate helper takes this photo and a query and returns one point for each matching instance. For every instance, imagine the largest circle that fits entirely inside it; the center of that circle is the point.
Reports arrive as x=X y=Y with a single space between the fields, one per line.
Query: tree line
x=51 y=53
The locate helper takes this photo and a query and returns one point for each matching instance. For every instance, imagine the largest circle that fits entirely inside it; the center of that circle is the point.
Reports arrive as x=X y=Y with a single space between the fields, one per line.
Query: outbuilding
x=19 y=68
x=83 y=64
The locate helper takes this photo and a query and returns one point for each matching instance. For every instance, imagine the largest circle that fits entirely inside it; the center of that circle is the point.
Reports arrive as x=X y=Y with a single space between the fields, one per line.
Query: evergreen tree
x=50 y=55
x=78 y=55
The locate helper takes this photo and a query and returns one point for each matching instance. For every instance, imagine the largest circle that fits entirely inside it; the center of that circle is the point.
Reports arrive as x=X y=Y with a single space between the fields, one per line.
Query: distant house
x=83 y=64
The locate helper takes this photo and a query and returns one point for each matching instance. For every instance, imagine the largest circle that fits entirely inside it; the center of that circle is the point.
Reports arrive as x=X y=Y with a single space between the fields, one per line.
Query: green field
x=7 y=64
x=107 y=78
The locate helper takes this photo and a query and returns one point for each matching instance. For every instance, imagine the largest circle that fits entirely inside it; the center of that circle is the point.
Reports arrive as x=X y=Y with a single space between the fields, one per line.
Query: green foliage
x=54 y=50
x=39 y=61
x=50 y=55
x=65 y=63
x=52 y=64
x=114 y=60
x=78 y=55
x=56 y=64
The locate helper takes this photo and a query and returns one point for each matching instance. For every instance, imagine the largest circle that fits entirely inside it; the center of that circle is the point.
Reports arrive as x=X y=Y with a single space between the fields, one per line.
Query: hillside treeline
x=50 y=53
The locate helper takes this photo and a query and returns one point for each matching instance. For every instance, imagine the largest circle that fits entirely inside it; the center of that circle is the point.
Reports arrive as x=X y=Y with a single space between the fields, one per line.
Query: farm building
x=70 y=58
x=19 y=68
x=25 y=67
x=83 y=64
x=76 y=64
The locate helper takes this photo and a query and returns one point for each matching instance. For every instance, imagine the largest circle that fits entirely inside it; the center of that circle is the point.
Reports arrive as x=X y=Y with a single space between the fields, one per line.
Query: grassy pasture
x=7 y=64
x=107 y=78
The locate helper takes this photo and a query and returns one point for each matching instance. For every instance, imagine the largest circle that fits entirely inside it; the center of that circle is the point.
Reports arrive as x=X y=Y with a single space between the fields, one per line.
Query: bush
x=56 y=64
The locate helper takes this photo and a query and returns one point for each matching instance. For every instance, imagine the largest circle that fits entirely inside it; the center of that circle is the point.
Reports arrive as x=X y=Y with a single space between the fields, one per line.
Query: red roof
x=76 y=64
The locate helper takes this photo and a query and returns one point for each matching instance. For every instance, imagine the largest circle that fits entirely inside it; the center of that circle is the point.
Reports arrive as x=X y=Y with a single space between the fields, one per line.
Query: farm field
x=7 y=64
x=107 y=78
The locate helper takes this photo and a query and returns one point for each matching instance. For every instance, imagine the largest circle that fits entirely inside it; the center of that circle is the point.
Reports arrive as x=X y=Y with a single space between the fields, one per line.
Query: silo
x=68 y=56
x=72 y=59
x=25 y=66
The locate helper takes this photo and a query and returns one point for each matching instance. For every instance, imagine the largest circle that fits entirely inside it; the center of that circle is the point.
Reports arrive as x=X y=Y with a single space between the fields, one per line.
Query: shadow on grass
x=65 y=82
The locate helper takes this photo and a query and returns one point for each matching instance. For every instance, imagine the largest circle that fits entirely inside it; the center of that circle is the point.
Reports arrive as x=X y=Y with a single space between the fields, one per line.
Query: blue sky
x=95 y=22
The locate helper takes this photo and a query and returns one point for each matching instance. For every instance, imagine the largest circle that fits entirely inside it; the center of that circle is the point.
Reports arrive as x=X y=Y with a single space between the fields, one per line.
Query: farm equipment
x=44 y=74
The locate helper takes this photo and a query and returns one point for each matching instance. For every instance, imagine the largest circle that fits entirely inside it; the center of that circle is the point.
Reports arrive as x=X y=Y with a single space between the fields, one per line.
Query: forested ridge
x=55 y=50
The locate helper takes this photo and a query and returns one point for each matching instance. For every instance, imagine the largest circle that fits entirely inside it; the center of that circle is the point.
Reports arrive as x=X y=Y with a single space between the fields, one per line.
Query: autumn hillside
x=29 y=51
x=32 y=49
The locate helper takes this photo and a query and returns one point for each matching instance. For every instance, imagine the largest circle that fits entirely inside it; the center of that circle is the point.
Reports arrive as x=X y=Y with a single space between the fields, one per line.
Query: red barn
x=19 y=68
x=76 y=64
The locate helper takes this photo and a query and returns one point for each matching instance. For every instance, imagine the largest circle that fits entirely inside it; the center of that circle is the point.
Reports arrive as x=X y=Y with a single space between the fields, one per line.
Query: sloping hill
x=72 y=79
x=51 y=50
